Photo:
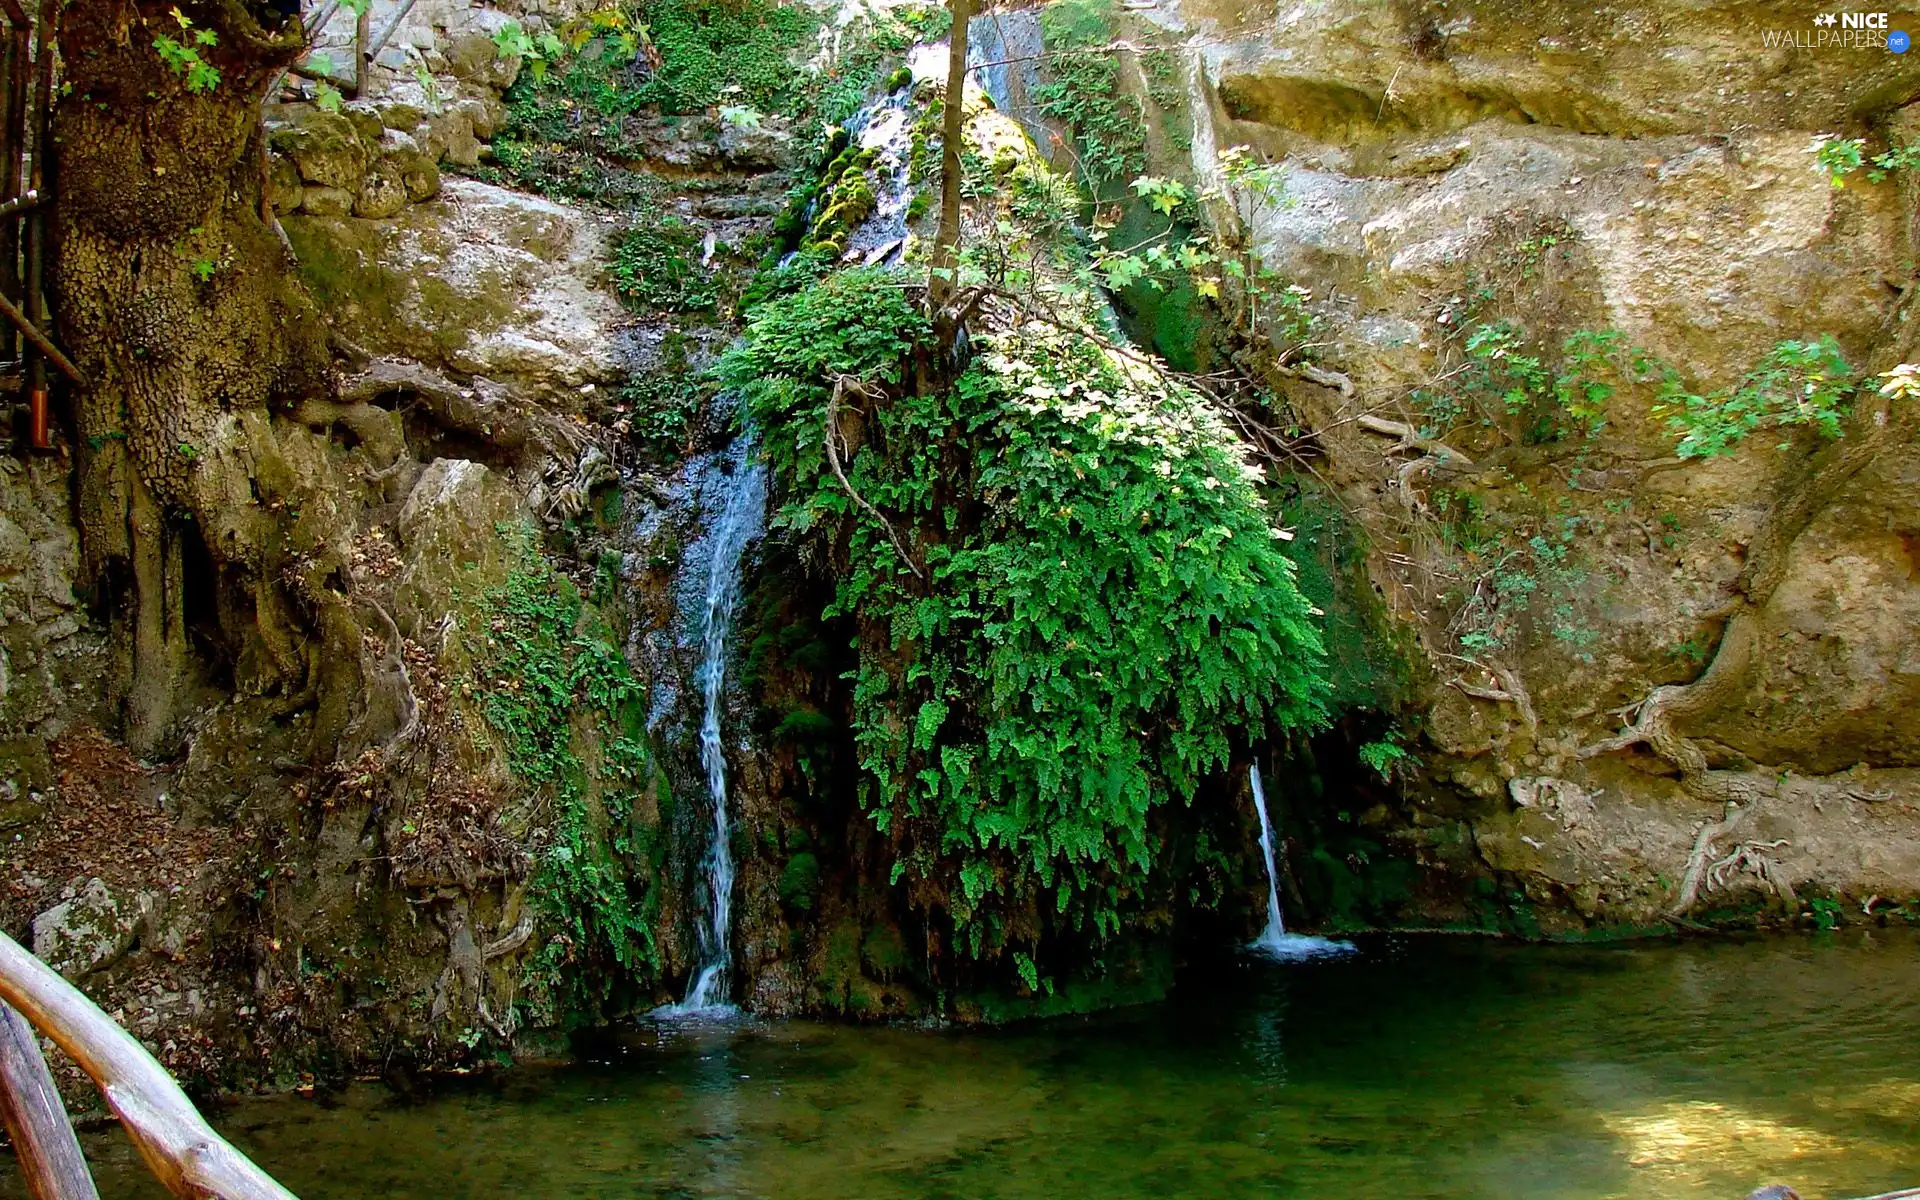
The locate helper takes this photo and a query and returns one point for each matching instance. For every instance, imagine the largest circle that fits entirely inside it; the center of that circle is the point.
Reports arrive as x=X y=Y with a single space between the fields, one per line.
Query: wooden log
x=179 y=1147
x=43 y=1139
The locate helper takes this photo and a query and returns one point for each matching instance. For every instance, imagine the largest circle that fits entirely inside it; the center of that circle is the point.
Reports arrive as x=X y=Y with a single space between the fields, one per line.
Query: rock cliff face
x=1647 y=170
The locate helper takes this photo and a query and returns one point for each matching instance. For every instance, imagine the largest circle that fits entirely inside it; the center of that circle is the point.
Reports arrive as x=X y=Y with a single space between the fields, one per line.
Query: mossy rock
x=327 y=149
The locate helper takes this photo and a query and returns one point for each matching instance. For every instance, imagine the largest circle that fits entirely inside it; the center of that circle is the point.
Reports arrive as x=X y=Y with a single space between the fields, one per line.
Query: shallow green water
x=1426 y=1068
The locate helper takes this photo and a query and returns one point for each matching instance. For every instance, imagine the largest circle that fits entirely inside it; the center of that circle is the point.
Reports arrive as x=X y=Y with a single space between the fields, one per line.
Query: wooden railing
x=175 y=1141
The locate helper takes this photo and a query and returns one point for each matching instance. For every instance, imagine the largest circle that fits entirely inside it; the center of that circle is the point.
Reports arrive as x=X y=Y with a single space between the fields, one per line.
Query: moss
x=1139 y=974
x=1367 y=658
x=838 y=977
x=339 y=265
x=806 y=725
x=800 y=882
x=654 y=267
x=570 y=719
x=884 y=951
x=844 y=198
x=708 y=45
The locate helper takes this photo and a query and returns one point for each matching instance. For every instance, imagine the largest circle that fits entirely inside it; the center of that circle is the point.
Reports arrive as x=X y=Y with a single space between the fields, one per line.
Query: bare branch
x=842 y=384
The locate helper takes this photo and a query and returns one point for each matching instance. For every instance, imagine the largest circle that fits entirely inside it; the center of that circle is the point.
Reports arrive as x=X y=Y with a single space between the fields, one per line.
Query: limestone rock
x=473 y=57
x=284 y=184
x=84 y=932
x=399 y=114
x=327 y=149
x=365 y=119
x=449 y=529
x=322 y=201
x=479 y=281
x=383 y=194
x=761 y=147
x=418 y=173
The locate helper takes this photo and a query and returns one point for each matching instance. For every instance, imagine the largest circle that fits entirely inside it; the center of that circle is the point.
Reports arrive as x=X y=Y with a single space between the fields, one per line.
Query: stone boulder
x=88 y=930
x=449 y=531
x=479 y=281
x=327 y=149
x=383 y=194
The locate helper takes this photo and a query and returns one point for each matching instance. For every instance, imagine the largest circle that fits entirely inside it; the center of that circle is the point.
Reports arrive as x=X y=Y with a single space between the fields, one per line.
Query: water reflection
x=1441 y=1069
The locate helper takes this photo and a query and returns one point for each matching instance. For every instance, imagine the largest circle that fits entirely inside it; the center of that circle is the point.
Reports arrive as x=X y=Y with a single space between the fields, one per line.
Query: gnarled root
x=1433 y=454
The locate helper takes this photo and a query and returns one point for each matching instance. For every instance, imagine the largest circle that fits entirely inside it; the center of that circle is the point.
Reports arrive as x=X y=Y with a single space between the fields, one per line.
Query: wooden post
x=179 y=1147
x=43 y=1139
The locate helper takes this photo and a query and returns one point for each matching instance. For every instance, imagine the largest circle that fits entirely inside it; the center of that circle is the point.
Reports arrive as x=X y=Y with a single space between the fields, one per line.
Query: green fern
x=1106 y=609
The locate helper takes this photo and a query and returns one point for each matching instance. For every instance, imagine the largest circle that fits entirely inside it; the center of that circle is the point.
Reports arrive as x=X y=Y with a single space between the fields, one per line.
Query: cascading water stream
x=1274 y=941
x=738 y=524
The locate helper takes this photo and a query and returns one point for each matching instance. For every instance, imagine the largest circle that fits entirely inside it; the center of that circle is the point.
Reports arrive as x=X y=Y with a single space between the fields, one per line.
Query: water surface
x=1435 y=1068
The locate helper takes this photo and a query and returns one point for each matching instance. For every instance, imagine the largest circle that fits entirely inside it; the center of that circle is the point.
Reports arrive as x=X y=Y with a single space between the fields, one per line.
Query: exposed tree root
x=1433 y=454
x=1512 y=690
x=1878 y=423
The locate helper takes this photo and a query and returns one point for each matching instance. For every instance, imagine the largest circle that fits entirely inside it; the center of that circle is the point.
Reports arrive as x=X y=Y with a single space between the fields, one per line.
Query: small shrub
x=1796 y=384
x=656 y=268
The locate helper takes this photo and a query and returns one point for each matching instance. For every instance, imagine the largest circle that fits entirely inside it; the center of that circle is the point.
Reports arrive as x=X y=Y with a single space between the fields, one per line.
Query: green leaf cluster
x=182 y=55
x=710 y=47
x=1841 y=157
x=655 y=268
x=1798 y=383
x=1105 y=612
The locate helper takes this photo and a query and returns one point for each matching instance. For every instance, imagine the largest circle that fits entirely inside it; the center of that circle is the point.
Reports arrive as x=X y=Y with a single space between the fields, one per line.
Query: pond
x=1422 y=1067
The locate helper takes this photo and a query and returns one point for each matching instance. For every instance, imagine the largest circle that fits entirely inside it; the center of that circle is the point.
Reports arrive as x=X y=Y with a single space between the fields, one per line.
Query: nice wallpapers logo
x=1843 y=31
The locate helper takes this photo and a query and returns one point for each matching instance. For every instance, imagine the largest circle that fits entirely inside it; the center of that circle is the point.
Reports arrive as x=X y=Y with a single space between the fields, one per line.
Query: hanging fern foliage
x=1091 y=609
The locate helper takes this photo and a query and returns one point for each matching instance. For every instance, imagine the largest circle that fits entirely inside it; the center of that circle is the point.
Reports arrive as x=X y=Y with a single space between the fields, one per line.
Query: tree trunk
x=200 y=513
x=946 y=241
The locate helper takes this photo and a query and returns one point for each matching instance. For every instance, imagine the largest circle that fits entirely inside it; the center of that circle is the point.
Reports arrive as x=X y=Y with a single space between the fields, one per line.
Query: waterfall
x=744 y=496
x=1274 y=941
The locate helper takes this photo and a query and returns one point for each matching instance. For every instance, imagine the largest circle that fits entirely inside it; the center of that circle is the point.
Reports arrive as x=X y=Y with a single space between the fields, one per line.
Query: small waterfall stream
x=738 y=521
x=1274 y=941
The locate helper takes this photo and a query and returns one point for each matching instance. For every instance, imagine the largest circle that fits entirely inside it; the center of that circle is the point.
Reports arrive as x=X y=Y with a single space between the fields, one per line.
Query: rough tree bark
x=175 y=298
x=946 y=241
